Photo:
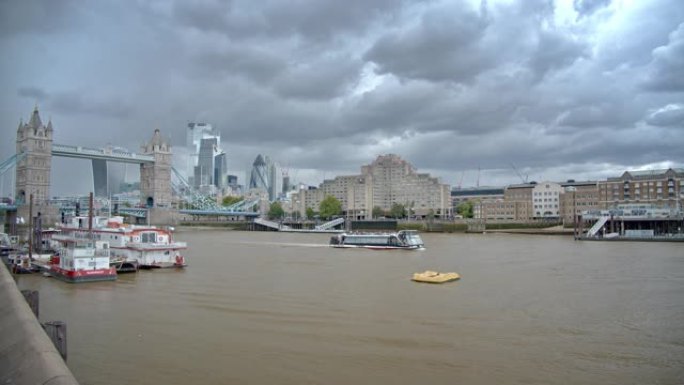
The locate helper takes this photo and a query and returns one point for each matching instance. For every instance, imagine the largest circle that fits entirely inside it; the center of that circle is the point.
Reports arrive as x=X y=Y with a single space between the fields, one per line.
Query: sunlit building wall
x=386 y=181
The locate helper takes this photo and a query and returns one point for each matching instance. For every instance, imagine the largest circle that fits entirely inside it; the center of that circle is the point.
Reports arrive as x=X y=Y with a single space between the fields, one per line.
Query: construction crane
x=524 y=180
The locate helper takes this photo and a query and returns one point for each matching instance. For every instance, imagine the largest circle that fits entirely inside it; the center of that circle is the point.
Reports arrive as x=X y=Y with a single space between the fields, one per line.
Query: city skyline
x=188 y=151
x=551 y=90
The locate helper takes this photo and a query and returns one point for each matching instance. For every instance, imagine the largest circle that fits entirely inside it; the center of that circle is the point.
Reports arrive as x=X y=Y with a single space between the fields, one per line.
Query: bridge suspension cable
x=8 y=167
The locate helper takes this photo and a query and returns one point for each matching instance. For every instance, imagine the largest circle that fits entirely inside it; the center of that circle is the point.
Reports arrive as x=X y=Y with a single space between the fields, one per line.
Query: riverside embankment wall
x=27 y=356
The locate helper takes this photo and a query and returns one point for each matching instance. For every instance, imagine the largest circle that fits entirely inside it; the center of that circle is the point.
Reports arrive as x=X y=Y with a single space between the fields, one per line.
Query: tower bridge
x=103 y=154
x=33 y=162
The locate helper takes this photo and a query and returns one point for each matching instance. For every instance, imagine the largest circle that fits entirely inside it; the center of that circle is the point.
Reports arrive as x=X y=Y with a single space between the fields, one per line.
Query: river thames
x=284 y=308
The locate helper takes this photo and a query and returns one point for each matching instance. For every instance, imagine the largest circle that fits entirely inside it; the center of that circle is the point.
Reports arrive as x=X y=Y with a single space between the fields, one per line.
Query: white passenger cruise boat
x=404 y=239
x=146 y=247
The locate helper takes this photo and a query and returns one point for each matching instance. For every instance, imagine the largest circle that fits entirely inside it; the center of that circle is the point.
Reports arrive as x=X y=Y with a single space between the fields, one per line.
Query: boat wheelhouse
x=404 y=239
x=82 y=260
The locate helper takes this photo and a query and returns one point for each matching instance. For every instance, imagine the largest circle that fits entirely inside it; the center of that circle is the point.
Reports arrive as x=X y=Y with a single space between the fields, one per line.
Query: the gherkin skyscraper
x=259 y=177
x=266 y=175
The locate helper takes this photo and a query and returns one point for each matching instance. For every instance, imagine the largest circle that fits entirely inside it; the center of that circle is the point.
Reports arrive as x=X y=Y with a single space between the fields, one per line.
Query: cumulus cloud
x=669 y=115
x=667 y=67
x=442 y=45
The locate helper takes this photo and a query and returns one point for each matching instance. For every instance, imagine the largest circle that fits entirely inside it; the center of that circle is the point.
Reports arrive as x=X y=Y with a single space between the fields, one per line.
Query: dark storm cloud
x=456 y=43
x=325 y=78
x=207 y=15
x=442 y=46
x=35 y=93
x=256 y=64
x=36 y=16
x=667 y=68
x=326 y=86
x=70 y=103
x=555 y=51
x=313 y=20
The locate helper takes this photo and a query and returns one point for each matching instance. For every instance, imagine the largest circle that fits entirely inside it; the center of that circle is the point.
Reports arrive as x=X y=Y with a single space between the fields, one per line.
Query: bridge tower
x=34 y=140
x=155 y=178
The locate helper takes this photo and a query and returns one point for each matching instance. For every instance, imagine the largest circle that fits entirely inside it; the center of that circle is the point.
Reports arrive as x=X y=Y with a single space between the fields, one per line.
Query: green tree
x=378 y=212
x=465 y=209
x=310 y=213
x=230 y=200
x=398 y=211
x=329 y=207
x=276 y=211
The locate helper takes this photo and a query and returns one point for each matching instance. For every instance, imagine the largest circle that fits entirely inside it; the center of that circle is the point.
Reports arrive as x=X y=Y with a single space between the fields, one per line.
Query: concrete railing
x=28 y=355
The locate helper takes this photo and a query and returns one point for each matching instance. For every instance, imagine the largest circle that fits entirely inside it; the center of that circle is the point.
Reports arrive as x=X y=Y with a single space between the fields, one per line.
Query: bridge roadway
x=107 y=153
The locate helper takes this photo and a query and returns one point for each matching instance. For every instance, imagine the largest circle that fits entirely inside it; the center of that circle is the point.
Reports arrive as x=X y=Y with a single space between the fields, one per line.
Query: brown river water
x=282 y=308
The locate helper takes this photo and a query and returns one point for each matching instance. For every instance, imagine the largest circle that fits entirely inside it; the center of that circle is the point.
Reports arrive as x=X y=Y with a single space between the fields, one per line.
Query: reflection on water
x=272 y=308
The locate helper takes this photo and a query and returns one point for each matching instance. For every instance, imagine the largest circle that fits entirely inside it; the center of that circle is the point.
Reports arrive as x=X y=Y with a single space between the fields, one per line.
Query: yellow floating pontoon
x=434 y=277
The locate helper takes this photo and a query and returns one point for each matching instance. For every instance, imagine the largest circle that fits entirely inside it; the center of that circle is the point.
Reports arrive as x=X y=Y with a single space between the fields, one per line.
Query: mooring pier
x=28 y=355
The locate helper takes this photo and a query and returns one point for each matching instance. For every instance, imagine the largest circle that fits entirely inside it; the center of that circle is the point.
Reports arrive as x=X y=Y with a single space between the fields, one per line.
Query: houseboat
x=131 y=246
x=81 y=260
x=404 y=239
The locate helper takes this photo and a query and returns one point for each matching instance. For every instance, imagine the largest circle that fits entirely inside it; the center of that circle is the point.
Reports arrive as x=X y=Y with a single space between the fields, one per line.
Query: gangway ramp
x=271 y=224
x=597 y=226
x=331 y=224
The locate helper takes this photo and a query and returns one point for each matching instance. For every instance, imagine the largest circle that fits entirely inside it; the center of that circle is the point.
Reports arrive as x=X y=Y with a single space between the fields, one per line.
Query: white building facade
x=387 y=181
x=546 y=200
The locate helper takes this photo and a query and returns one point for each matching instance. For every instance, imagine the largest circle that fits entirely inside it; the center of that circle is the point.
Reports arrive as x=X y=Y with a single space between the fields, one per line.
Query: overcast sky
x=579 y=89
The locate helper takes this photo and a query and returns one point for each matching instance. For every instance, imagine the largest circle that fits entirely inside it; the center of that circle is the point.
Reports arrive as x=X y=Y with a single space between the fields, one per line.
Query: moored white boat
x=143 y=246
x=82 y=260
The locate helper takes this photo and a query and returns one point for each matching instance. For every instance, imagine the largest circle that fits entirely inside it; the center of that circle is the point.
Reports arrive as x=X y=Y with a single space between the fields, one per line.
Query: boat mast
x=90 y=216
x=30 y=228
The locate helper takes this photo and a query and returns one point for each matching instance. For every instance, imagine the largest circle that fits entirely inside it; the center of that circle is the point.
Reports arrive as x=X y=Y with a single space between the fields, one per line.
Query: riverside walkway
x=27 y=356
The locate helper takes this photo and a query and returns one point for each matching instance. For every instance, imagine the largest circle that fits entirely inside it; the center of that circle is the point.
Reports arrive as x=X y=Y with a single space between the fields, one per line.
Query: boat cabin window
x=148 y=237
x=412 y=238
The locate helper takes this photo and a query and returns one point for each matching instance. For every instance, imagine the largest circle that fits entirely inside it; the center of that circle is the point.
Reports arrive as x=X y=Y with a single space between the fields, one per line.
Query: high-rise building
x=220 y=172
x=276 y=176
x=204 y=170
x=266 y=175
x=206 y=162
x=258 y=178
